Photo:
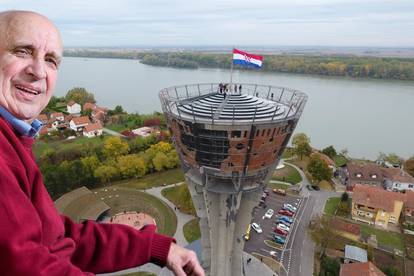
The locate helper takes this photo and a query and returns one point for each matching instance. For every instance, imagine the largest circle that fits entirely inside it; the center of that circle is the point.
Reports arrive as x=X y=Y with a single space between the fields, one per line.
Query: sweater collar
x=23 y=128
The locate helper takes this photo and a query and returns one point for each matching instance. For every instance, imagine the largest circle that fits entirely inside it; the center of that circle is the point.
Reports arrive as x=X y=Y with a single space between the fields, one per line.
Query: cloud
x=214 y=22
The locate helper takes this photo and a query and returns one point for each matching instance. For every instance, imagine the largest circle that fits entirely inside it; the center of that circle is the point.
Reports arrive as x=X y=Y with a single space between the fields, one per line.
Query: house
x=43 y=118
x=78 y=123
x=99 y=114
x=398 y=180
x=354 y=254
x=92 y=130
x=57 y=116
x=144 y=131
x=367 y=174
x=360 y=269
x=374 y=205
x=73 y=108
x=89 y=106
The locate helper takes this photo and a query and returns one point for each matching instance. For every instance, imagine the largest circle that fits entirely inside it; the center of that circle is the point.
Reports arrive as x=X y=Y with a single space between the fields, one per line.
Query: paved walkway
x=181 y=217
x=111 y=132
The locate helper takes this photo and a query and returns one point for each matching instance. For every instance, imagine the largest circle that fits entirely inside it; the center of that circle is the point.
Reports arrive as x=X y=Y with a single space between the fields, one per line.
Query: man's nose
x=37 y=68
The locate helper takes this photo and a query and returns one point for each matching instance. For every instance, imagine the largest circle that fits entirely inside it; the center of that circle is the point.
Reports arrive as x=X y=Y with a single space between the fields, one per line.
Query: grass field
x=180 y=197
x=192 y=230
x=340 y=160
x=132 y=200
x=287 y=174
x=387 y=238
x=277 y=186
x=331 y=205
x=40 y=146
x=325 y=185
x=154 y=180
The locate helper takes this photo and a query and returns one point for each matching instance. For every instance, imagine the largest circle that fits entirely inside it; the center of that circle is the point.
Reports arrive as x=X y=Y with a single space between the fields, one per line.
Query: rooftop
x=356 y=254
x=376 y=197
x=360 y=269
x=203 y=103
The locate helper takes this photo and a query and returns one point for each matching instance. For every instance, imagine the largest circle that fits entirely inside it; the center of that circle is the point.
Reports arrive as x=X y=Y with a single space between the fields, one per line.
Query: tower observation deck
x=228 y=146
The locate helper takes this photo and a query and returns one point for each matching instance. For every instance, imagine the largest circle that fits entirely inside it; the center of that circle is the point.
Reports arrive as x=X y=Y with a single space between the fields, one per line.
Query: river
x=364 y=116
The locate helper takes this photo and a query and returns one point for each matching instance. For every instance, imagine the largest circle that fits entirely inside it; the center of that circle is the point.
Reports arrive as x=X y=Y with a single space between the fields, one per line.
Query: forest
x=346 y=66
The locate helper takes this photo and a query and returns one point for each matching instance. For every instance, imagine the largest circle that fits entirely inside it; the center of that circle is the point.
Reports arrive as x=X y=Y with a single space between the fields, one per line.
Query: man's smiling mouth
x=26 y=89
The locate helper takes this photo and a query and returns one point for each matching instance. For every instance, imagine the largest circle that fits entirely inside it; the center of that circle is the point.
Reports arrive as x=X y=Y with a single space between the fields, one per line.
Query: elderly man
x=34 y=238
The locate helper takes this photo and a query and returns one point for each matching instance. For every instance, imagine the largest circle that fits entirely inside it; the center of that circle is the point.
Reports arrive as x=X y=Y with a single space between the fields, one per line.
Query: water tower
x=229 y=145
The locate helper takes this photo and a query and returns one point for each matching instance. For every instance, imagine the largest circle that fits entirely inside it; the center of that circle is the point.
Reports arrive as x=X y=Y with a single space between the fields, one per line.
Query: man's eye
x=21 y=51
x=52 y=61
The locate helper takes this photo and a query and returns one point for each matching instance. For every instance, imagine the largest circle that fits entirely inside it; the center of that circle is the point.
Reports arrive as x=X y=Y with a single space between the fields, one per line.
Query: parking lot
x=263 y=243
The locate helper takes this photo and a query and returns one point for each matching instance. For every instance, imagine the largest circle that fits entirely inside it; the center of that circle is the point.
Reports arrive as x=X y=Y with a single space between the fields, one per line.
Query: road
x=111 y=132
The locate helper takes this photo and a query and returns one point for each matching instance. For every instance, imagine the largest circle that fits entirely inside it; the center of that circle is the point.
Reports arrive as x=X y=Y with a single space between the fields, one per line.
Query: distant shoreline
x=387 y=68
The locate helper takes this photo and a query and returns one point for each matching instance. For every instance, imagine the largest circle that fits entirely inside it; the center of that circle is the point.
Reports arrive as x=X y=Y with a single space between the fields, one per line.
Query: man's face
x=30 y=52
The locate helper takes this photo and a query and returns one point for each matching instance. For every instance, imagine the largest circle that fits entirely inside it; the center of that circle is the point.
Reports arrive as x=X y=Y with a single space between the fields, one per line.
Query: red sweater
x=36 y=240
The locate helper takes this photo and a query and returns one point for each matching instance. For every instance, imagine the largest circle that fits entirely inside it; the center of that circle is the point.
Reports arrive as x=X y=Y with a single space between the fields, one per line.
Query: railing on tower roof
x=172 y=97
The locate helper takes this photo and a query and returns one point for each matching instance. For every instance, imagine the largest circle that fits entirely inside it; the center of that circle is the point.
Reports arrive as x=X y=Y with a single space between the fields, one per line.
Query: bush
x=329 y=266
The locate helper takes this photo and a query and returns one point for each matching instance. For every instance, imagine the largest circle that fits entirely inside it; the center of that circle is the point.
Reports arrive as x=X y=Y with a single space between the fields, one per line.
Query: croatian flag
x=243 y=58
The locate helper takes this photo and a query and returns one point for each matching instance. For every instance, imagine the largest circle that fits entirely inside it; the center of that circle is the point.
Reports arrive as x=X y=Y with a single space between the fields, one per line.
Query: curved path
x=181 y=217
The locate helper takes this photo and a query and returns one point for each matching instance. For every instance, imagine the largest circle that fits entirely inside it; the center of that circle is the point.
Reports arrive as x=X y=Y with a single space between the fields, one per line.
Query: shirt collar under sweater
x=21 y=126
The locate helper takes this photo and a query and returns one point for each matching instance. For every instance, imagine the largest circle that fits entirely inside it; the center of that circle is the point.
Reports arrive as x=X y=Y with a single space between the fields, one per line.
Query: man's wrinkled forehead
x=19 y=27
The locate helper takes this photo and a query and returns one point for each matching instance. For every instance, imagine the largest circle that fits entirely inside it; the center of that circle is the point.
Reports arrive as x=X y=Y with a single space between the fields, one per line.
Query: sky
x=120 y=23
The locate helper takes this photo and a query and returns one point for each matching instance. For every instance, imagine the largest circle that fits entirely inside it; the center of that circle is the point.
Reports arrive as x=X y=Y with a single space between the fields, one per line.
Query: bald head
x=30 y=53
x=12 y=21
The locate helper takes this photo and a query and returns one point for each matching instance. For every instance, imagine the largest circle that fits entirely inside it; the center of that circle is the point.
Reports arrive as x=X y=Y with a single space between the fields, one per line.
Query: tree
x=329 y=151
x=329 y=266
x=160 y=161
x=106 y=173
x=409 y=166
x=323 y=233
x=319 y=169
x=391 y=271
x=80 y=95
x=131 y=166
x=89 y=165
x=301 y=145
x=114 y=147
x=344 y=197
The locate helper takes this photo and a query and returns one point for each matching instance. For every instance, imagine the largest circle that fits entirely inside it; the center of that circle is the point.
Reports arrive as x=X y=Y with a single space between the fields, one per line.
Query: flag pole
x=231 y=71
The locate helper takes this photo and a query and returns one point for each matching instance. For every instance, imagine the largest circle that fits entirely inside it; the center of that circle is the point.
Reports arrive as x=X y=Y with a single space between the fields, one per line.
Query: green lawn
x=340 y=160
x=154 y=179
x=192 y=230
x=331 y=205
x=277 y=186
x=40 y=146
x=287 y=174
x=387 y=238
x=180 y=196
x=133 y=200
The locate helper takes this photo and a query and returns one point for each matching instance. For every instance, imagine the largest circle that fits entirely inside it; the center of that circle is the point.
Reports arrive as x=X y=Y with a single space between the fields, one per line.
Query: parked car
x=279 y=191
x=287 y=223
x=269 y=214
x=282 y=226
x=280 y=232
x=273 y=253
x=309 y=187
x=266 y=191
x=257 y=227
x=285 y=213
x=316 y=188
x=288 y=208
x=279 y=239
x=286 y=218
